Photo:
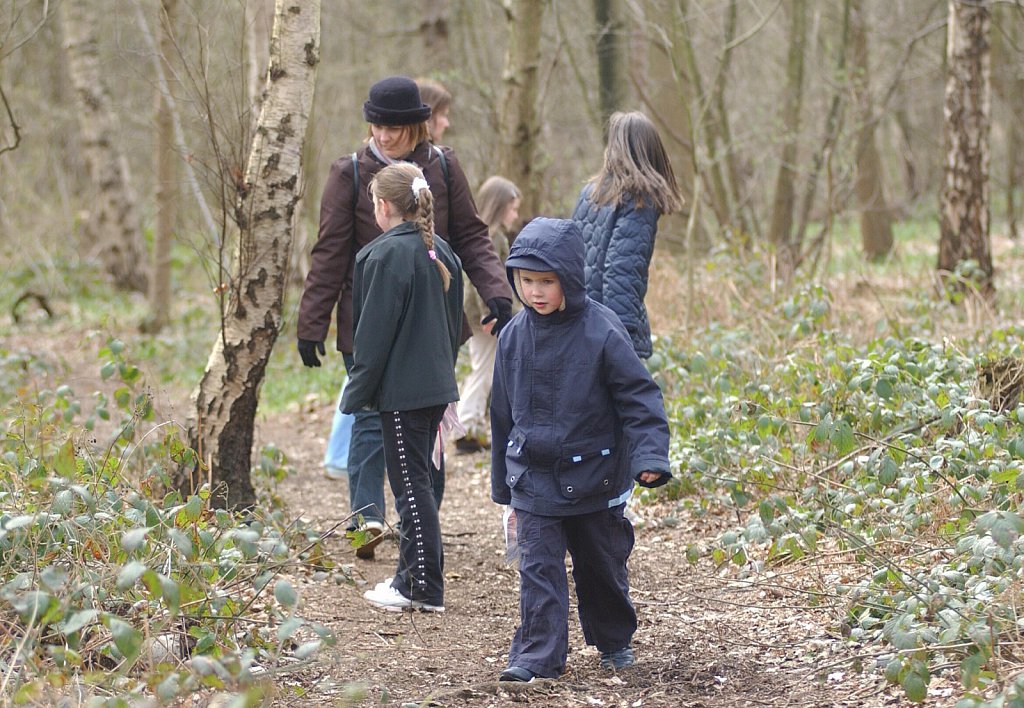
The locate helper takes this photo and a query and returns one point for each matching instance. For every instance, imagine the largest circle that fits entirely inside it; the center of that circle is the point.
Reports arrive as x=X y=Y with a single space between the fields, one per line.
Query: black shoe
x=468 y=444
x=516 y=673
x=618 y=659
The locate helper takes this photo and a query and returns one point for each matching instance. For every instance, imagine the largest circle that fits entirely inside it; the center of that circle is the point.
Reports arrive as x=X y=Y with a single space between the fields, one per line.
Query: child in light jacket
x=575 y=420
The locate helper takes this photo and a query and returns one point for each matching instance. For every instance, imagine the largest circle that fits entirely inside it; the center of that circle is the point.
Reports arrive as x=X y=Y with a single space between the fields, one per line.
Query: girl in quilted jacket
x=618 y=212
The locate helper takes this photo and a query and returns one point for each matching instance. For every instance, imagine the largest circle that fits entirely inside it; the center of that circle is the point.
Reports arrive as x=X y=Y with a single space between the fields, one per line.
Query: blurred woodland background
x=835 y=310
x=782 y=116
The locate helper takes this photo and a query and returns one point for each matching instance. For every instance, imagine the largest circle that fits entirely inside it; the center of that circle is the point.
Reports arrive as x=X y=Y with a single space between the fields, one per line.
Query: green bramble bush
x=111 y=591
x=887 y=452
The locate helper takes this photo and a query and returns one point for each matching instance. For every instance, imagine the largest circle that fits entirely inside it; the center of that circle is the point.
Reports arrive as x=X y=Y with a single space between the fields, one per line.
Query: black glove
x=308 y=349
x=501 y=313
x=663 y=479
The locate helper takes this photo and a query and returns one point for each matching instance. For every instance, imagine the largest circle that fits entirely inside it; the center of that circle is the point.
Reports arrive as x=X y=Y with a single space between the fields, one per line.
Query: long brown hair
x=394 y=184
x=635 y=166
x=493 y=198
x=434 y=94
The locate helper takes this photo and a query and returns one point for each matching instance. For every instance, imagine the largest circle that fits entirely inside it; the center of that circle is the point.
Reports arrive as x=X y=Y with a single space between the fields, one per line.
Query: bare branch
x=179 y=134
x=14 y=124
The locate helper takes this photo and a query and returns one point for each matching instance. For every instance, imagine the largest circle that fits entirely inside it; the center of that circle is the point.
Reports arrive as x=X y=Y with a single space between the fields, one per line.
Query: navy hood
x=556 y=245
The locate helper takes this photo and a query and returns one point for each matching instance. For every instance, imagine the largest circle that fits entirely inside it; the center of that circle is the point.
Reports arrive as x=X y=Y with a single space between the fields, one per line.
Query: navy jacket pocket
x=516 y=462
x=588 y=467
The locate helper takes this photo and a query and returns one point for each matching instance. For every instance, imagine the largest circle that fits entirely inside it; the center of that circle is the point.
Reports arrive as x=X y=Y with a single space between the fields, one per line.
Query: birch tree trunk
x=869 y=183
x=228 y=392
x=519 y=122
x=166 y=159
x=113 y=224
x=964 y=203
x=781 y=228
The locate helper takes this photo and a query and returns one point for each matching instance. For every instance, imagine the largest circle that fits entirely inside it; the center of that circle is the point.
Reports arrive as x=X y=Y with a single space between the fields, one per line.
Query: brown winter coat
x=329 y=282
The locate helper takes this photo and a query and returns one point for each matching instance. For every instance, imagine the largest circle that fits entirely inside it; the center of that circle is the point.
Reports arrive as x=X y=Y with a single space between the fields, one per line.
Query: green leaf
x=308 y=649
x=915 y=687
x=970 y=669
x=883 y=388
x=132 y=540
x=127 y=639
x=129 y=574
x=18 y=522
x=285 y=593
x=289 y=627
x=842 y=437
x=108 y=370
x=181 y=541
x=888 y=470
x=79 y=620
x=893 y=670
x=191 y=511
x=823 y=430
x=171 y=592
x=64 y=461
x=33 y=605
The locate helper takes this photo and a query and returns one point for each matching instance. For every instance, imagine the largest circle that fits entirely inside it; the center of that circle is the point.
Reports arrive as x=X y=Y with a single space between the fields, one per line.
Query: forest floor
x=707 y=636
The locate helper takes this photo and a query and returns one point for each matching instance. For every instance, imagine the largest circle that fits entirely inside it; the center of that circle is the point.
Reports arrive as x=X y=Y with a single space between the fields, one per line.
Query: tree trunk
x=666 y=90
x=608 y=17
x=1008 y=87
x=434 y=31
x=257 y=30
x=833 y=125
x=869 y=183
x=113 y=225
x=228 y=392
x=780 y=231
x=519 y=121
x=167 y=182
x=964 y=204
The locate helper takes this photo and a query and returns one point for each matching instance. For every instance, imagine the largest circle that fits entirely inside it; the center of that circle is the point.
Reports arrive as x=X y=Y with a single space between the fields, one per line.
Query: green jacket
x=407 y=328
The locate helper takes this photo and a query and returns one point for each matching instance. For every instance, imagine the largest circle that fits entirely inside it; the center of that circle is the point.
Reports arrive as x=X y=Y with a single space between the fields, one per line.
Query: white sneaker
x=335 y=473
x=385 y=583
x=388 y=598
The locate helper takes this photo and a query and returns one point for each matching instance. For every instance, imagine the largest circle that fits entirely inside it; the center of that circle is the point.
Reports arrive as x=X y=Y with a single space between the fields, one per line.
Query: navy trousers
x=600 y=544
x=408 y=441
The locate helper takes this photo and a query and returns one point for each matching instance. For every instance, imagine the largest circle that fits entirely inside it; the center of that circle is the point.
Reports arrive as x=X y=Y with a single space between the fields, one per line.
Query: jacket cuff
x=650 y=463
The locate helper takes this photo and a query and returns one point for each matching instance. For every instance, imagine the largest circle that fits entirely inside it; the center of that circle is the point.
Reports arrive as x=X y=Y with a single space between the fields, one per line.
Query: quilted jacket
x=619 y=244
x=575 y=416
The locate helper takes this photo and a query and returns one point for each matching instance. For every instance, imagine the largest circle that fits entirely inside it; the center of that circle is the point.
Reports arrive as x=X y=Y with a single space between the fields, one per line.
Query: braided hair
x=394 y=184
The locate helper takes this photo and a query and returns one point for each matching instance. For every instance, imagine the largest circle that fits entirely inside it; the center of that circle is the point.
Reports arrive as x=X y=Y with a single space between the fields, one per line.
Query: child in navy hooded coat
x=575 y=420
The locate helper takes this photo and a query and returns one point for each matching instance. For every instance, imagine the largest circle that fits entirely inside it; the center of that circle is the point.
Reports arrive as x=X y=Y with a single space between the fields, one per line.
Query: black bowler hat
x=395 y=101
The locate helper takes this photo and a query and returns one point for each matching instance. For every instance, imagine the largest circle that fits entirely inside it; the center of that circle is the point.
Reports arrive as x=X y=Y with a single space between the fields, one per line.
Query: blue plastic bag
x=336 y=456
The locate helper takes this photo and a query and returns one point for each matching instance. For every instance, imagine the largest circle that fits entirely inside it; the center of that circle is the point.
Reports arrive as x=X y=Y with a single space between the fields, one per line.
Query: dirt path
x=705 y=638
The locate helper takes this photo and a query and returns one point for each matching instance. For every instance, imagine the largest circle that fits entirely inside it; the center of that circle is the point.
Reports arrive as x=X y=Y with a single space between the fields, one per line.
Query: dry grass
x=899 y=296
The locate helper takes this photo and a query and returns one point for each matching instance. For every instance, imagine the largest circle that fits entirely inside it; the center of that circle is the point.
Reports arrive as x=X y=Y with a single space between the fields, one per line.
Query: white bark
x=228 y=393
x=113 y=224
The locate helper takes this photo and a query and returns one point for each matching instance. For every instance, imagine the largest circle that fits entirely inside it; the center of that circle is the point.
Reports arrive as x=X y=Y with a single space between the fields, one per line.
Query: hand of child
x=647 y=478
x=488 y=326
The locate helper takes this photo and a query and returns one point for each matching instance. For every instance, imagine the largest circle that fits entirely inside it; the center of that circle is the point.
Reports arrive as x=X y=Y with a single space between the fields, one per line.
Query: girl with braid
x=407 y=316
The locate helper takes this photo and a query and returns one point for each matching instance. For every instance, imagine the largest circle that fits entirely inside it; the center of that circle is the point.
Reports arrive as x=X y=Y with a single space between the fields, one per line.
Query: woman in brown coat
x=397 y=132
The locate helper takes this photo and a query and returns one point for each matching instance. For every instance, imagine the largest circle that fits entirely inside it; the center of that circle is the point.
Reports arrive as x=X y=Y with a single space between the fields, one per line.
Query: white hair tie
x=417 y=184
